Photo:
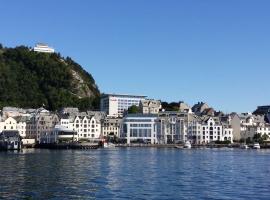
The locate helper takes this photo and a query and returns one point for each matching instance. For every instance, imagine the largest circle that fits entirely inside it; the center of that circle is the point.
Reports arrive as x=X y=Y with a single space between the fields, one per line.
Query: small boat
x=187 y=145
x=244 y=146
x=178 y=147
x=256 y=146
x=108 y=145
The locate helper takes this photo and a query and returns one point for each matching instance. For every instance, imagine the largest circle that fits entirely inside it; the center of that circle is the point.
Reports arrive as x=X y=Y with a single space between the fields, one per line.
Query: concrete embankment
x=69 y=146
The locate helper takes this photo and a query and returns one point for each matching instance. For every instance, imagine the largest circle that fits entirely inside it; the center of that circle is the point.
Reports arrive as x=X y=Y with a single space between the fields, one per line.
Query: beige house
x=150 y=106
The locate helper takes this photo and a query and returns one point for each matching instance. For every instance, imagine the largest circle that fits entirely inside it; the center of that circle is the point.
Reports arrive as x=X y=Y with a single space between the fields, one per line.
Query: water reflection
x=136 y=173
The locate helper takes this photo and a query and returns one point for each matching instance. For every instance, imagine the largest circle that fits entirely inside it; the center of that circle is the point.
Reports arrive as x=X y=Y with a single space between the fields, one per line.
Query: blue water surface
x=135 y=173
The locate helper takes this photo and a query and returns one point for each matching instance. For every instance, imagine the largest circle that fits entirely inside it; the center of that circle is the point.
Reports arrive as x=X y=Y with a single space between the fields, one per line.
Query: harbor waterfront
x=135 y=173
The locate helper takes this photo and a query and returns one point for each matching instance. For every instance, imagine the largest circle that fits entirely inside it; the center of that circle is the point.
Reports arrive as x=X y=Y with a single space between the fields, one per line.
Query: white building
x=9 y=124
x=115 y=104
x=44 y=48
x=86 y=126
x=60 y=134
x=139 y=128
x=14 y=123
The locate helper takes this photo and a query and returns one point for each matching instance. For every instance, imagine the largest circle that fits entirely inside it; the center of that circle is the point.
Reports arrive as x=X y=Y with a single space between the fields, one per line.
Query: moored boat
x=244 y=146
x=108 y=145
x=256 y=146
x=187 y=145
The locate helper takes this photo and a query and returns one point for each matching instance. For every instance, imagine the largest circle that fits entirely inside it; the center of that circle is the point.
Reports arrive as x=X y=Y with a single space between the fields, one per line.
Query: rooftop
x=123 y=95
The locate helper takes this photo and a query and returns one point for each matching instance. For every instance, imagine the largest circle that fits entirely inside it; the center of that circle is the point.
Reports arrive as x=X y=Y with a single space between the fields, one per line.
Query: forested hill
x=31 y=79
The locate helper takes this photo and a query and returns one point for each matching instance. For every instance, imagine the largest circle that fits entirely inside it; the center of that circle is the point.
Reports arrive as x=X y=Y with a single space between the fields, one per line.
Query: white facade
x=209 y=132
x=139 y=128
x=86 y=127
x=115 y=105
x=44 y=48
x=21 y=127
x=9 y=124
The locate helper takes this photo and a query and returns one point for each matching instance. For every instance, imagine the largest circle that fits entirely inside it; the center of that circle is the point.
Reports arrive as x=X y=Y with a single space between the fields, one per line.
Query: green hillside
x=31 y=79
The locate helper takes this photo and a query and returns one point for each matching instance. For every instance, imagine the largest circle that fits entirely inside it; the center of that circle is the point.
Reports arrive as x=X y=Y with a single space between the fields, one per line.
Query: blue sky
x=214 y=51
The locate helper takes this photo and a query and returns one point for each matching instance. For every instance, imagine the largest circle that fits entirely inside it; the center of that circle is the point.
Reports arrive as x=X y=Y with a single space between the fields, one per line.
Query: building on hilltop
x=115 y=105
x=43 y=48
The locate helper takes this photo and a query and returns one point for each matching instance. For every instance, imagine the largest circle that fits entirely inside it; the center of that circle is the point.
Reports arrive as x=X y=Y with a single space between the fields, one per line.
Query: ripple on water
x=135 y=173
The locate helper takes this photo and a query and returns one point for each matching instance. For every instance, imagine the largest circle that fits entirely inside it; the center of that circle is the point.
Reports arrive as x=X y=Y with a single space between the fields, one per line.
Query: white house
x=9 y=124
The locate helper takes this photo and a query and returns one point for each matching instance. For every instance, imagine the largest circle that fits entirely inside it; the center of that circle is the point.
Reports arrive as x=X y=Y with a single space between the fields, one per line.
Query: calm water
x=136 y=173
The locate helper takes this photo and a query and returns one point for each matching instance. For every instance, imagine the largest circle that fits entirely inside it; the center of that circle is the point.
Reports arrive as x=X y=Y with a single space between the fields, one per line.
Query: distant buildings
x=114 y=105
x=199 y=108
x=262 y=110
x=149 y=106
x=43 y=48
x=152 y=125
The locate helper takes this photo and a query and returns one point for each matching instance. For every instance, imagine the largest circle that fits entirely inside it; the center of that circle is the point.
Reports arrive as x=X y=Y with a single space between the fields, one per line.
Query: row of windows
x=140 y=125
x=140 y=132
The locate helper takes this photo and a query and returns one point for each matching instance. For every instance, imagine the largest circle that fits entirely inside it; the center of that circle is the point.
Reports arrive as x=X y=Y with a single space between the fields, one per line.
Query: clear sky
x=215 y=51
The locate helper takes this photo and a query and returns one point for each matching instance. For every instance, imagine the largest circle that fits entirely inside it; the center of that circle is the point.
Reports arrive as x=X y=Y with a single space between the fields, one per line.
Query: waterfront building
x=42 y=123
x=233 y=121
x=9 y=124
x=21 y=125
x=209 y=131
x=139 y=128
x=60 y=134
x=87 y=127
x=43 y=48
x=249 y=132
x=111 y=127
x=170 y=127
x=10 y=140
x=114 y=105
x=149 y=106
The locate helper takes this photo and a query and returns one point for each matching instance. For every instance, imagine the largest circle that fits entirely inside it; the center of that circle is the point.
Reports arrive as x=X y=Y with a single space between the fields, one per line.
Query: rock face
x=34 y=79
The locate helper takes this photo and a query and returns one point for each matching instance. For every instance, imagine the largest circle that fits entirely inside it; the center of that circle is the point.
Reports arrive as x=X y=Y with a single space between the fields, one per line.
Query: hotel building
x=116 y=104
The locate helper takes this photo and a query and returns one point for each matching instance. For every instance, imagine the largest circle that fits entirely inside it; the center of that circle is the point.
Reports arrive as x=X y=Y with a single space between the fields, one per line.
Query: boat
x=244 y=146
x=187 y=145
x=256 y=146
x=178 y=147
x=108 y=145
